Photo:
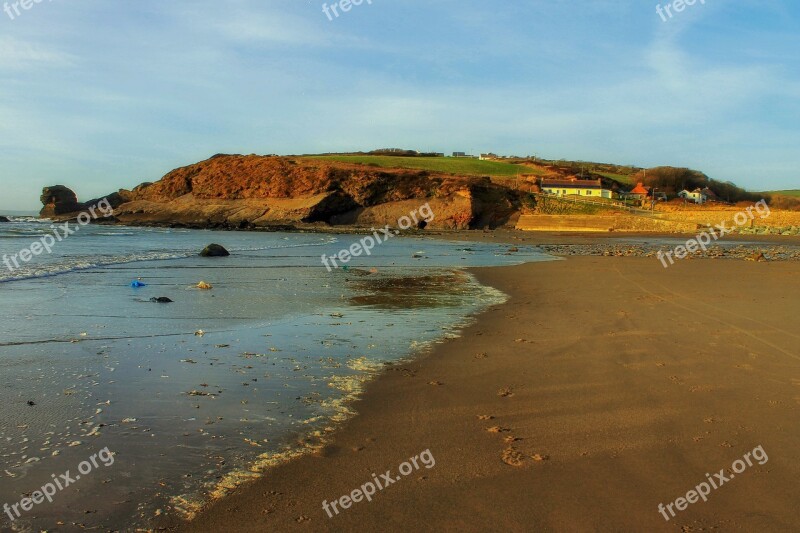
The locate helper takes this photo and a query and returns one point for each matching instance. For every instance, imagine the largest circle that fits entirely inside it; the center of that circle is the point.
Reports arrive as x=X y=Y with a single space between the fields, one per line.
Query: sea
x=128 y=410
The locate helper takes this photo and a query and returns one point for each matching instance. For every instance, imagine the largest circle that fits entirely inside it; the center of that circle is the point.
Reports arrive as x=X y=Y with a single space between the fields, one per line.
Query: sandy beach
x=374 y=266
x=604 y=387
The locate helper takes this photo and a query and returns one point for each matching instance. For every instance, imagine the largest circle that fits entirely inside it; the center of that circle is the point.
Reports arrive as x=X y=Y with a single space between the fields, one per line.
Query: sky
x=102 y=95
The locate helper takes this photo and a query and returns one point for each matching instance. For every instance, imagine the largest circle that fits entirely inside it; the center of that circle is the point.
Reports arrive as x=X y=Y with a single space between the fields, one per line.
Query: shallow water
x=195 y=395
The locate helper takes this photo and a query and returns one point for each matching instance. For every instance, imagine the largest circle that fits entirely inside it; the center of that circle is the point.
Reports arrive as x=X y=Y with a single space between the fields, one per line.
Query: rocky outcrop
x=250 y=192
x=214 y=250
x=58 y=200
x=4 y=219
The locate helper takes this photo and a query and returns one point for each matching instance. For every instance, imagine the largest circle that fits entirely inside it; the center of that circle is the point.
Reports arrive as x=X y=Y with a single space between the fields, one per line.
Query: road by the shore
x=603 y=387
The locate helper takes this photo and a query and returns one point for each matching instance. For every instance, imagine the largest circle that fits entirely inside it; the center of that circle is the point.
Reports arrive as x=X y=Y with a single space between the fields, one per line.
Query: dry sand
x=612 y=384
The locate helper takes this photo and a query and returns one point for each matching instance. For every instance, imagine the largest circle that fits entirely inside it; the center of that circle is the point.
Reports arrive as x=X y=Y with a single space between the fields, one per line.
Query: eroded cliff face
x=240 y=192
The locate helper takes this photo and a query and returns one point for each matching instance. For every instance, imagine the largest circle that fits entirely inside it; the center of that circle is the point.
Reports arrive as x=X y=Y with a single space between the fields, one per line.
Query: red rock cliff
x=257 y=191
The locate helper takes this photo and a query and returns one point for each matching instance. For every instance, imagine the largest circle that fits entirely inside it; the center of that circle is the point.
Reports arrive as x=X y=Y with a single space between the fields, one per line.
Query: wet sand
x=603 y=387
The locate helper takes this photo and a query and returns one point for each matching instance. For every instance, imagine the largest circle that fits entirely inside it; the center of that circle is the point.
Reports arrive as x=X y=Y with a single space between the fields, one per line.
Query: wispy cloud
x=18 y=54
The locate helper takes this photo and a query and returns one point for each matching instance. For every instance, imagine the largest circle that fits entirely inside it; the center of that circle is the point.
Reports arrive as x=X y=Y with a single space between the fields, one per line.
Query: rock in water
x=161 y=300
x=203 y=286
x=214 y=250
x=4 y=219
x=58 y=200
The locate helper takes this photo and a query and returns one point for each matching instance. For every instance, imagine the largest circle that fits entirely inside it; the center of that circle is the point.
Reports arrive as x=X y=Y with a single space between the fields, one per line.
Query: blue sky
x=100 y=95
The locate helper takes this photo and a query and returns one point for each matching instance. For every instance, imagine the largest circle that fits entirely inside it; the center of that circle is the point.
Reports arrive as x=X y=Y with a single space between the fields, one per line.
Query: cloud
x=16 y=54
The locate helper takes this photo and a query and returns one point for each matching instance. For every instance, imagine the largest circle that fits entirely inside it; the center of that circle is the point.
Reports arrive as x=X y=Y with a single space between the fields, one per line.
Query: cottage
x=575 y=187
x=695 y=196
x=711 y=196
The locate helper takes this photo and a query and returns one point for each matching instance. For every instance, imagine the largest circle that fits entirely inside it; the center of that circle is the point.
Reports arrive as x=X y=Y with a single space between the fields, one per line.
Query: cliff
x=249 y=192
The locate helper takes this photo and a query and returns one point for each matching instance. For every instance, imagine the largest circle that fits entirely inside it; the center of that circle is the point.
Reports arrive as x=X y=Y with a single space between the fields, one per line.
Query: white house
x=575 y=187
x=695 y=196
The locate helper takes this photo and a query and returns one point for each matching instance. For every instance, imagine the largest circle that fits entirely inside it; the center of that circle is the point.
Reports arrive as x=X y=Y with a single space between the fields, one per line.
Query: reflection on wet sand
x=444 y=288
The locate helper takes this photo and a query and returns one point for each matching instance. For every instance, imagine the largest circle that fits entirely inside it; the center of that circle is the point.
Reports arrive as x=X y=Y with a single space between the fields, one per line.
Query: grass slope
x=790 y=192
x=458 y=166
x=621 y=178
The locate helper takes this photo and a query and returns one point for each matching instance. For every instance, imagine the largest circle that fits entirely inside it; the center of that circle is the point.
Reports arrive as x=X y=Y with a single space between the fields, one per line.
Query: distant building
x=485 y=157
x=695 y=196
x=575 y=187
x=459 y=154
x=640 y=192
x=711 y=196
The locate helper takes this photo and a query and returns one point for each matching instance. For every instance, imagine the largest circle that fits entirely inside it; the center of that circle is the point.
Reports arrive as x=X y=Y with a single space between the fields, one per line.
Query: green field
x=622 y=178
x=451 y=165
x=791 y=192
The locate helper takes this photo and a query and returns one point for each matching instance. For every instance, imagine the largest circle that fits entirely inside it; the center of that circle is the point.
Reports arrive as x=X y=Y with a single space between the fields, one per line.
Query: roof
x=572 y=184
x=639 y=189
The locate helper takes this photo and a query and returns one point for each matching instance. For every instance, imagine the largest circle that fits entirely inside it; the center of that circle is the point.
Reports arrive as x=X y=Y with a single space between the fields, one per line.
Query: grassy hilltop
x=450 y=165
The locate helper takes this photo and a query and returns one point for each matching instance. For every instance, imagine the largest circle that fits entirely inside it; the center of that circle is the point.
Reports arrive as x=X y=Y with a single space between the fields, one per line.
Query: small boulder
x=203 y=286
x=214 y=250
x=161 y=300
x=4 y=219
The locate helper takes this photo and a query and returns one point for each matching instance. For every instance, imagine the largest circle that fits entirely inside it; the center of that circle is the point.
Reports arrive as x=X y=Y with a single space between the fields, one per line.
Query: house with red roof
x=640 y=193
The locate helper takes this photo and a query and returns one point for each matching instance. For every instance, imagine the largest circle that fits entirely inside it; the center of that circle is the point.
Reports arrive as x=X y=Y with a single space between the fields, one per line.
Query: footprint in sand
x=512 y=457
x=497 y=429
x=505 y=392
x=482 y=355
x=511 y=439
x=661 y=364
x=485 y=417
x=436 y=383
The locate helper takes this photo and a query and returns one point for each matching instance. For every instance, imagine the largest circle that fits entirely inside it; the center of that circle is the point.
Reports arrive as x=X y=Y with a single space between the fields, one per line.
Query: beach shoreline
x=573 y=405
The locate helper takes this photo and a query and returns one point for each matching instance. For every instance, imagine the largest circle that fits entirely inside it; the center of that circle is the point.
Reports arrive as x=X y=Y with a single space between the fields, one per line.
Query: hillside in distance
x=251 y=192
x=312 y=191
